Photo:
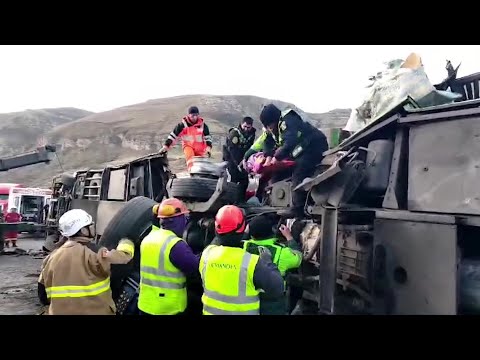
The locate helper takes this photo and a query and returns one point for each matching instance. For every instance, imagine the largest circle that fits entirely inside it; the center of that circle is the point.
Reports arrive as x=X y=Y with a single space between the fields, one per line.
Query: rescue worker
x=288 y=136
x=11 y=236
x=74 y=279
x=239 y=140
x=285 y=257
x=233 y=278
x=194 y=134
x=165 y=260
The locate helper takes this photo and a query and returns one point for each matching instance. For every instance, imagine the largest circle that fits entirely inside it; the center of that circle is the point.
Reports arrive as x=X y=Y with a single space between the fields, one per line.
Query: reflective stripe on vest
x=162 y=286
x=192 y=134
x=77 y=291
x=240 y=304
x=126 y=246
x=160 y=270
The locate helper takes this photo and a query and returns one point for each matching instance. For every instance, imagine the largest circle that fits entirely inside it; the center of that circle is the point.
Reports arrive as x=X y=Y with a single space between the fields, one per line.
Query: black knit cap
x=260 y=228
x=270 y=115
x=193 y=110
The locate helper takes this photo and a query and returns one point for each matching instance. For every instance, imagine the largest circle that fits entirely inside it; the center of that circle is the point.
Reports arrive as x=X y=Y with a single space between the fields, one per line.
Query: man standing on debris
x=285 y=257
x=293 y=139
x=74 y=279
x=233 y=278
x=195 y=136
x=239 y=140
x=11 y=236
x=165 y=261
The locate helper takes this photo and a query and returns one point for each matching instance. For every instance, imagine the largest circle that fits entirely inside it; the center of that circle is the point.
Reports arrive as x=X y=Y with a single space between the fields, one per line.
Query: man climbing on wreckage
x=287 y=136
x=195 y=136
x=239 y=140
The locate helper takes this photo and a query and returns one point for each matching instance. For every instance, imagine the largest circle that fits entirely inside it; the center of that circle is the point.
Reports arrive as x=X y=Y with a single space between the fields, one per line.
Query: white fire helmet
x=72 y=221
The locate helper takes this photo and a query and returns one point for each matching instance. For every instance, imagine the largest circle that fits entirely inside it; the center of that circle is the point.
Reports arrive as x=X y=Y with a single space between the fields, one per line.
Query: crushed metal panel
x=444 y=167
x=116 y=186
x=420 y=266
x=106 y=211
x=396 y=194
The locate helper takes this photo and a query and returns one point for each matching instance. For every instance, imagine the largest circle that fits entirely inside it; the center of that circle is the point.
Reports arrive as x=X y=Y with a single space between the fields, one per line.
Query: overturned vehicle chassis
x=392 y=222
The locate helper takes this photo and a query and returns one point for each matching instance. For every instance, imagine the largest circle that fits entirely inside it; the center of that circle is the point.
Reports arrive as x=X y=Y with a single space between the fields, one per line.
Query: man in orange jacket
x=195 y=136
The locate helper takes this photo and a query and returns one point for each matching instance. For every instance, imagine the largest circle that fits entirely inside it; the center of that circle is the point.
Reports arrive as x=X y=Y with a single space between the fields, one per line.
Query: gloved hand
x=208 y=151
x=163 y=150
x=265 y=254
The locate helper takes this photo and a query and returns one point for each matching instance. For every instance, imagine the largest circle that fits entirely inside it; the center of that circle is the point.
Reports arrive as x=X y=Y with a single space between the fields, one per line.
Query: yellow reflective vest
x=227 y=277
x=162 y=285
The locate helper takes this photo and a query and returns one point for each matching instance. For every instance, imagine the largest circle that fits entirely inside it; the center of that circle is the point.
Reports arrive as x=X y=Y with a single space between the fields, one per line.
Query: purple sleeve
x=183 y=258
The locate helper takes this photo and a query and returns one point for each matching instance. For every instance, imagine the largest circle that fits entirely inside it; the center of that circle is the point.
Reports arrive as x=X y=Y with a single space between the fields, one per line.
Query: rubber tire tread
x=200 y=189
x=129 y=223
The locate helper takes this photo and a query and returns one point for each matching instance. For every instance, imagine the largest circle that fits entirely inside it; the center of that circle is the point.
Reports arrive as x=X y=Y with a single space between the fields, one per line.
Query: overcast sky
x=316 y=78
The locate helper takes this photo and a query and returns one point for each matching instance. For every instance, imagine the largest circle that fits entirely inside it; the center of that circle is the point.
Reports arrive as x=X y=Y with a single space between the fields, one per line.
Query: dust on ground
x=19 y=275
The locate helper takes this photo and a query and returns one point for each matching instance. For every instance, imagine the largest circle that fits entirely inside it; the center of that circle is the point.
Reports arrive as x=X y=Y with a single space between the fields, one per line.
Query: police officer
x=239 y=140
x=286 y=258
x=233 y=278
x=288 y=136
x=165 y=261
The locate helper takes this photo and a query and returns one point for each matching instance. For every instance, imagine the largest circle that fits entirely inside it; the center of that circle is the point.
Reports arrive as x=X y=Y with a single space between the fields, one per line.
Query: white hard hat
x=72 y=221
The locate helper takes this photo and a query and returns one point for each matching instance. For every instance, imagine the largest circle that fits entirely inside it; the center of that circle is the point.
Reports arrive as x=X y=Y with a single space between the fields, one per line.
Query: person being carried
x=74 y=280
x=165 y=261
x=194 y=134
x=233 y=278
x=285 y=257
x=239 y=140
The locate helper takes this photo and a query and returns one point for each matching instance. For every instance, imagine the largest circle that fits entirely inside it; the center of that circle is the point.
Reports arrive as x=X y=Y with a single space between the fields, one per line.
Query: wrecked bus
x=391 y=223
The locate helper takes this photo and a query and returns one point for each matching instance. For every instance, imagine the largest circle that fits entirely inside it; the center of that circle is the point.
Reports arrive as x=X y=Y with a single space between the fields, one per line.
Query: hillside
x=20 y=131
x=135 y=130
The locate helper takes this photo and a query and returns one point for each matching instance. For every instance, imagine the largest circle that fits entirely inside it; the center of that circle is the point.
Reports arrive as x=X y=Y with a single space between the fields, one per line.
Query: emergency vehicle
x=30 y=202
x=4 y=195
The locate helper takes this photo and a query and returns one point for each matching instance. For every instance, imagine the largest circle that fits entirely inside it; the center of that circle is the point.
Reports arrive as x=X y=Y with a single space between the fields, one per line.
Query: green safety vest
x=162 y=286
x=285 y=260
x=227 y=277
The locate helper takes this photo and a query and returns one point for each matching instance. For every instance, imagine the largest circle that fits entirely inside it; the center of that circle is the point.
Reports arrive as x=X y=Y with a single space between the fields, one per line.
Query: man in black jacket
x=239 y=140
x=288 y=136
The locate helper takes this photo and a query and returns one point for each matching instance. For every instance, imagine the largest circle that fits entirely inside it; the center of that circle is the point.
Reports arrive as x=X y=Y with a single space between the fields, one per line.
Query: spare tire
x=133 y=221
x=200 y=189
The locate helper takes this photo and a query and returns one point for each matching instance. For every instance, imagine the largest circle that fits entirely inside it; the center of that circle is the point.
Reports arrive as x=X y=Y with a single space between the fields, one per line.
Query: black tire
x=200 y=189
x=133 y=221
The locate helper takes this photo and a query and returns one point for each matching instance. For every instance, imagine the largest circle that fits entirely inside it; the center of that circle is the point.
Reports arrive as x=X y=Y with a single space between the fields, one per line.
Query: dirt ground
x=18 y=284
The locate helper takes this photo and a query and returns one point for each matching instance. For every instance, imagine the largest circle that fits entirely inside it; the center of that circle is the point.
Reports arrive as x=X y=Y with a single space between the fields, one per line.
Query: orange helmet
x=170 y=208
x=230 y=219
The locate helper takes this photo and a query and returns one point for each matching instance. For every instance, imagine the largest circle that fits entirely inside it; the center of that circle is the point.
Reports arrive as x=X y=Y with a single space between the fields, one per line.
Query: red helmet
x=170 y=208
x=230 y=219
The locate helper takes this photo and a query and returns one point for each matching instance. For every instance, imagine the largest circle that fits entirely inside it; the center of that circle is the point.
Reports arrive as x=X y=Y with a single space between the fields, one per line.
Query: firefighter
x=194 y=134
x=239 y=140
x=288 y=136
x=165 y=261
x=285 y=257
x=233 y=278
x=74 y=279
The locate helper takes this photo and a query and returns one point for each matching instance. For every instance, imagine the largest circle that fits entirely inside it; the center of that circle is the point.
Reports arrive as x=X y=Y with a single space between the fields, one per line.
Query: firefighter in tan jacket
x=74 y=279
